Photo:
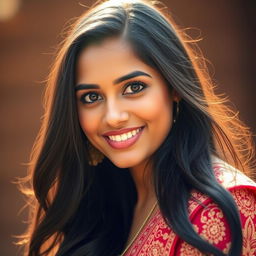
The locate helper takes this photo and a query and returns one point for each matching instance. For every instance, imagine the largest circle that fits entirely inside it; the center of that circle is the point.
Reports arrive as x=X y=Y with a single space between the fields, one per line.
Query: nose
x=115 y=115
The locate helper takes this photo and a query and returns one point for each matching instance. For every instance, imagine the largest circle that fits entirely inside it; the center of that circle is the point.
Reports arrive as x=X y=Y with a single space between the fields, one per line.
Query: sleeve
x=212 y=225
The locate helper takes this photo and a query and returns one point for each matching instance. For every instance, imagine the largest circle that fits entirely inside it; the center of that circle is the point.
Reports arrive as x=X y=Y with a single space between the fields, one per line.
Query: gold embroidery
x=158 y=239
x=156 y=248
x=246 y=202
x=228 y=176
x=188 y=250
x=155 y=240
x=193 y=204
x=249 y=238
x=159 y=242
x=196 y=228
x=213 y=228
x=226 y=249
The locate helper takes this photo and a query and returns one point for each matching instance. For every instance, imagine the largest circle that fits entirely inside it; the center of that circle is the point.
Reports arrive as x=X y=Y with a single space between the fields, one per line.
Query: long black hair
x=78 y=209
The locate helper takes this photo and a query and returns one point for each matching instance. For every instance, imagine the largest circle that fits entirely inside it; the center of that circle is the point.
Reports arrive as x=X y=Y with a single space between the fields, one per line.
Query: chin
x=127 y=163
x=122 y=164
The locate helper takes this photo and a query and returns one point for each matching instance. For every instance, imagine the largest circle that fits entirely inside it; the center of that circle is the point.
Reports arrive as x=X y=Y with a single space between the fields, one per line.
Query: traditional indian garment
x=157 y=239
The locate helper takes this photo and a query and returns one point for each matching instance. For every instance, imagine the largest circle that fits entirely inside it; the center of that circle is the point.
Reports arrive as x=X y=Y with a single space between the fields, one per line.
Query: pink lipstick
x=124 y=138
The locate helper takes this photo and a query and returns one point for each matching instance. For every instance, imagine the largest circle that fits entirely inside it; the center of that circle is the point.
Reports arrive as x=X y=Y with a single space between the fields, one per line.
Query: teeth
x=129 y=135
x=124 y=136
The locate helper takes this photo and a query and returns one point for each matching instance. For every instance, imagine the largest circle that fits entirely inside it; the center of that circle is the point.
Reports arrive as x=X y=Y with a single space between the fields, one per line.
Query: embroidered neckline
x=141 y=229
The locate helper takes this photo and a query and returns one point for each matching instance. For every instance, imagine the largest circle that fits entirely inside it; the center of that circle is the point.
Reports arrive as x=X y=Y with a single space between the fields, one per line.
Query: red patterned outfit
x=157 y=239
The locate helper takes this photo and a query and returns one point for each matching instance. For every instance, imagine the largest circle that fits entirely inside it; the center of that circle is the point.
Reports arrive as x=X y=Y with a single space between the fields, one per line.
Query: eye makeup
x=130 y=89
x=134 y=87
x=90 y=97
x=117 y=81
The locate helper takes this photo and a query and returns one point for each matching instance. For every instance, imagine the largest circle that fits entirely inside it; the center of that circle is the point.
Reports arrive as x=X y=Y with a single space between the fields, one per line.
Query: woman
x=136 y=154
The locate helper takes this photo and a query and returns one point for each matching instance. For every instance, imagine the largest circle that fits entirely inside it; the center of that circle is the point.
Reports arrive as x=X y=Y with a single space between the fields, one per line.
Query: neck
x=142 y=176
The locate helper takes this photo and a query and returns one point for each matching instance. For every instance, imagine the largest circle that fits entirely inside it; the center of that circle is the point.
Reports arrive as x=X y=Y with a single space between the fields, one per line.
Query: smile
x=124 y=136
x=125 y=139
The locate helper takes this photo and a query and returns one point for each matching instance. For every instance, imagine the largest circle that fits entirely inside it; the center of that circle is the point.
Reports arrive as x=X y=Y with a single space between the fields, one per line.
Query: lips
x=119 y=132
x=124 y=138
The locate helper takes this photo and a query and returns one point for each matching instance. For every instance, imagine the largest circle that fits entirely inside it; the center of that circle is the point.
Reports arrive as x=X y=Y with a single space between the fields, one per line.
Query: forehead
x=106 y=47
x=111 y=58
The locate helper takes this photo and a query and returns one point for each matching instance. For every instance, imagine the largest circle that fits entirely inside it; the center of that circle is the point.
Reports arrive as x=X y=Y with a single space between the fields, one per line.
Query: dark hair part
x=78 y=209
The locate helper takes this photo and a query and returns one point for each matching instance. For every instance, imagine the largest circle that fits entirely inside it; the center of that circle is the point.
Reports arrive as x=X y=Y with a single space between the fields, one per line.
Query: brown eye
x=90 y=97
x=135 y=87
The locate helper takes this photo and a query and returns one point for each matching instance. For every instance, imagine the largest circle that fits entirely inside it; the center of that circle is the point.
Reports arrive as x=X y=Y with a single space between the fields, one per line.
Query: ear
x=176 y=96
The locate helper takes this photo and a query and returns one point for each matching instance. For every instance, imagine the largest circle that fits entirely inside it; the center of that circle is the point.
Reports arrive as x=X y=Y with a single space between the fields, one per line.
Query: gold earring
x=95 y=155
x=176 y=109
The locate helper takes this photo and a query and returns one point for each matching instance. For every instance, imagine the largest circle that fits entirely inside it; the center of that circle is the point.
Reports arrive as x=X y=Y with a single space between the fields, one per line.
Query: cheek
x=88 y=121
x=155 y=107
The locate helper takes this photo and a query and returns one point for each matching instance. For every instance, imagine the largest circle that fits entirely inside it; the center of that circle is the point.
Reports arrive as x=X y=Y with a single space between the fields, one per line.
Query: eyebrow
x=116 y=81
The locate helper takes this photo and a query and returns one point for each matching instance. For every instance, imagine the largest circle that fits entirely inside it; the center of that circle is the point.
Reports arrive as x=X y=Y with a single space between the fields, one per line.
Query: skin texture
x=115 y=106
x=115 y=109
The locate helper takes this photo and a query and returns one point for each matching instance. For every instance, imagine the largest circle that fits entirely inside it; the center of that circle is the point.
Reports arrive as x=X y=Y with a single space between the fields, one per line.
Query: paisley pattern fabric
x=157 y=239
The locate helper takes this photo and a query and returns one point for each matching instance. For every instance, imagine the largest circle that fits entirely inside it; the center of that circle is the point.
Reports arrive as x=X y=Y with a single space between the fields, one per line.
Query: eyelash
x=142 y=86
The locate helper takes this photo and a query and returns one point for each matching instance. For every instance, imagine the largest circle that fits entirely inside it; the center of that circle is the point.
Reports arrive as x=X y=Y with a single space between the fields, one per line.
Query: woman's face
x=124 y=106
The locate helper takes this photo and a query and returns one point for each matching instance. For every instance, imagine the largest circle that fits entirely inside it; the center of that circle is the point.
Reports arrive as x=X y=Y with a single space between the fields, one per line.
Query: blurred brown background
x=29 y=37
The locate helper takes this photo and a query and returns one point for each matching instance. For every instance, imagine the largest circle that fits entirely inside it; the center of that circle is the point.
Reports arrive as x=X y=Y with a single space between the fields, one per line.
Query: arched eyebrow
x=131 y=75
x=116 y=81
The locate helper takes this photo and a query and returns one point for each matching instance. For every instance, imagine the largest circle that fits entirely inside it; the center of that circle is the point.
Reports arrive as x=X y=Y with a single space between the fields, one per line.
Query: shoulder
x=242 y=189
x=245 y=199
x=209 y=221
x=230 y=177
